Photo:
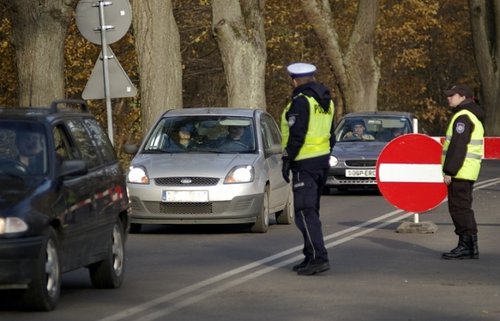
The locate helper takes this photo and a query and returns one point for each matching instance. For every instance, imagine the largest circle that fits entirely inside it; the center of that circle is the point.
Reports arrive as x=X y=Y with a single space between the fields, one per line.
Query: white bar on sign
x=410 y=173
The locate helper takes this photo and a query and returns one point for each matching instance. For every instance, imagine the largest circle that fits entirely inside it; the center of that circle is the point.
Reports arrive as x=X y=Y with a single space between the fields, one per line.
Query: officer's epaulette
x=297 y=96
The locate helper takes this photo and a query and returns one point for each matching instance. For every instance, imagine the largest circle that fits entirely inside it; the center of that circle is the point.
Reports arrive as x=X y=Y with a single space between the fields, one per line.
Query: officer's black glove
x=285 y=169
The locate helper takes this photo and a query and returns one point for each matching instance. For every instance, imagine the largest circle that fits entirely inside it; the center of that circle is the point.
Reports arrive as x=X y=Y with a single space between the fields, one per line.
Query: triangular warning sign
x=119 y=82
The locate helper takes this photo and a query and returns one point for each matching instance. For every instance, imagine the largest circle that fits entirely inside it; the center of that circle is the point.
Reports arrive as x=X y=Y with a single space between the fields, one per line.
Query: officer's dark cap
x=462 y=90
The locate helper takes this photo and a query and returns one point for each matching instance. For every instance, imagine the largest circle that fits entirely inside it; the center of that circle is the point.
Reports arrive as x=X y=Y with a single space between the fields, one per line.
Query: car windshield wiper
x=154 y=151
x=209 y=151
x=166 y=151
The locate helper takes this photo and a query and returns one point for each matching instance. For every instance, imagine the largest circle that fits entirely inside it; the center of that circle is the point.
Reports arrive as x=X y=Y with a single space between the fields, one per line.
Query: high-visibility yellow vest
x=317 y=140
x=472 y=163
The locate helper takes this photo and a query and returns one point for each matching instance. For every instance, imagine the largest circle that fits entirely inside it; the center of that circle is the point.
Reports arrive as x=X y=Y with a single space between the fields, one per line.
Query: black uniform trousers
x=307 y=189
x=460 y=207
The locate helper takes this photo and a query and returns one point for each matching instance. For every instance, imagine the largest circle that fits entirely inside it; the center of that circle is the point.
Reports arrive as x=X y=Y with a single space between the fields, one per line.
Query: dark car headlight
x=12 y=225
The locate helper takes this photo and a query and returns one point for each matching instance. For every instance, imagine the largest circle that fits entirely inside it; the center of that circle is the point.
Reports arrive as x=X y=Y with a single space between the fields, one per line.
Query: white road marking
x=197 y=294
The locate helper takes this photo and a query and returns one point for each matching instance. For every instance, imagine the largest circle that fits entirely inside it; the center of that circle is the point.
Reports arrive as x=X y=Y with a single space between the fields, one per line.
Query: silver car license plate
x=360 y=173
x=184 y=196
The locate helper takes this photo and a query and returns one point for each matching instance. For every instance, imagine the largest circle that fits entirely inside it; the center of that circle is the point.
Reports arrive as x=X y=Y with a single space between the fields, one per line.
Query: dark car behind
x=61 y=208
x=353 y=159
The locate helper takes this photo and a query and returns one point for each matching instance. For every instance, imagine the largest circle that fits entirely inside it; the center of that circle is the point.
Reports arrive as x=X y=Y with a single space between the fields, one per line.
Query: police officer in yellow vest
x=307 y=138
x=461 y=160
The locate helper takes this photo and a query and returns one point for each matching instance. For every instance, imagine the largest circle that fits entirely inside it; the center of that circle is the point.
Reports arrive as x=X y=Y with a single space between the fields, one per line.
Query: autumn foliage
x=423 y=46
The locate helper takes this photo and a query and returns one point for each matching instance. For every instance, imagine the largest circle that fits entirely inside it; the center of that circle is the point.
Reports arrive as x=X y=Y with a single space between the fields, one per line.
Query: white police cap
x=301 y=69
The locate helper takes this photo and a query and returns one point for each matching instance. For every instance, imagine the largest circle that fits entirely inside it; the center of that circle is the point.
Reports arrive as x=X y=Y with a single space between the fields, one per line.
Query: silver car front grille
x=148 y=208
x=179 y=208
x=186 y=208
x=186 y=181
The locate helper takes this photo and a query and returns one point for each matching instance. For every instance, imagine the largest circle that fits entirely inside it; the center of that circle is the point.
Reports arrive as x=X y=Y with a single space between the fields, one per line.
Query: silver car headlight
x=333 y=161
x=12 y=225
x=138 y=175
x=240 y=174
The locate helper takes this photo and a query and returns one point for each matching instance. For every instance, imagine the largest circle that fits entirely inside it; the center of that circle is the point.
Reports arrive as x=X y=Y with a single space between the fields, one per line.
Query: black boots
x=314 y=267
x=466 y=249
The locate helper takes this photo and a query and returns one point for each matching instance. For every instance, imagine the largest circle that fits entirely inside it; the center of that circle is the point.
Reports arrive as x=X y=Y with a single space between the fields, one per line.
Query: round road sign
x=117 y=17
x=409 y=173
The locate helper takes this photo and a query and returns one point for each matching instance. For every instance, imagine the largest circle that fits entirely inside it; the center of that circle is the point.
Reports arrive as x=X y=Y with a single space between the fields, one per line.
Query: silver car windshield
x=211 y=134
x=369 y=128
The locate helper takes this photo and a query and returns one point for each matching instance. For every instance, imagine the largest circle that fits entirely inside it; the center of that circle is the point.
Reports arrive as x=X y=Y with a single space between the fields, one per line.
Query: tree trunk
x=357 y=72
x=39 y=29
x=158 y=51
x=487 y=54
x=239 y=30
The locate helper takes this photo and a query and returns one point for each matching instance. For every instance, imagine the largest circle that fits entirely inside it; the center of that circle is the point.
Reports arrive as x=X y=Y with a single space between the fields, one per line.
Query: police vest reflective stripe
x=472 y=163
x=317 y=140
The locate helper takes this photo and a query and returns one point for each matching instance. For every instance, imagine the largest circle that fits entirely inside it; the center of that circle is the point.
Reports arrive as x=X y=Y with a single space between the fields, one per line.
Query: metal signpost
x=91 y=19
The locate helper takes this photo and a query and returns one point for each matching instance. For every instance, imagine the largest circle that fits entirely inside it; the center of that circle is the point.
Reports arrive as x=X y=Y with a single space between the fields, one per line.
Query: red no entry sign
x=409 y=173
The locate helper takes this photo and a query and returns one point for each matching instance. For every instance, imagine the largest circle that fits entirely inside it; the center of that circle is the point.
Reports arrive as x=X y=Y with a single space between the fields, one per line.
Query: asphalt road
x=225 y=273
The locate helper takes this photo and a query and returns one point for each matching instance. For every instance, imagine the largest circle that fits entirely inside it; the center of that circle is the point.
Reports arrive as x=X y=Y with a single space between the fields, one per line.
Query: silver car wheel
x=287 y=214
x=261 y=225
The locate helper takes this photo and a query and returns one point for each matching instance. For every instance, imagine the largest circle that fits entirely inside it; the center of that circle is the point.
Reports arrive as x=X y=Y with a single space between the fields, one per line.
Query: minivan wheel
x=262 y=223
x=108 y=273
x=45 y=287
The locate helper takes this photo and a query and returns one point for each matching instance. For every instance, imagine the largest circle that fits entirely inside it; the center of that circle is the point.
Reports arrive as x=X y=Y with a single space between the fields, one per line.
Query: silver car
x=210 y=166
x=360 y=139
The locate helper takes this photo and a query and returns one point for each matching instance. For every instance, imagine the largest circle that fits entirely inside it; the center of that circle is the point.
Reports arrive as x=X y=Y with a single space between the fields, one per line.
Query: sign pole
x=118 y=15
x=105 y=66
